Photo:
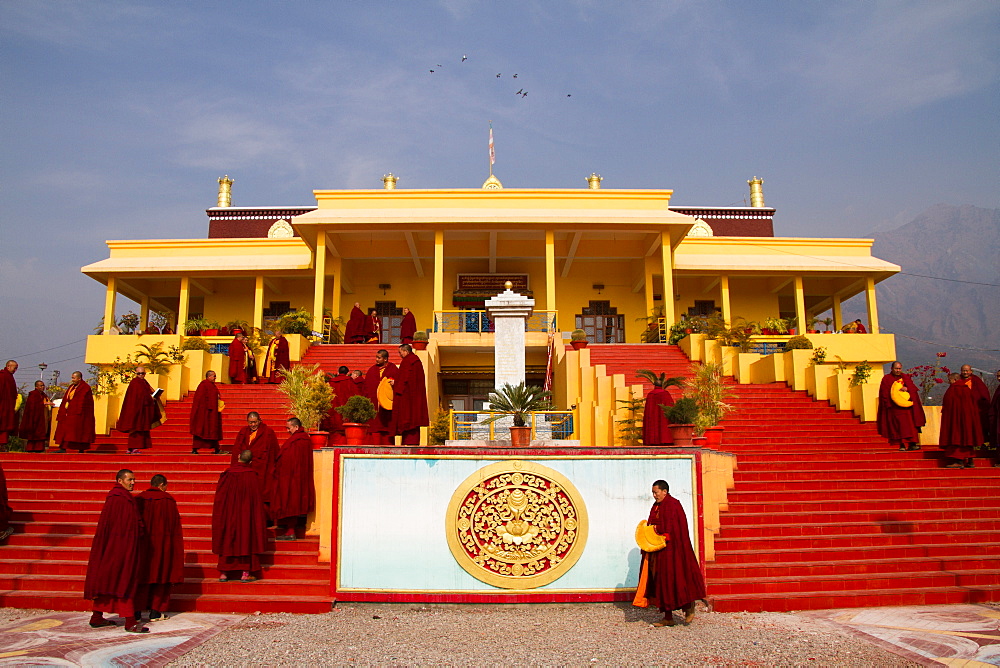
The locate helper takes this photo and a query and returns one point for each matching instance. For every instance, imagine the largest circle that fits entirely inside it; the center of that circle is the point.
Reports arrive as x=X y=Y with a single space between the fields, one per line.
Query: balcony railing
x=477 y=321
x=545 y=425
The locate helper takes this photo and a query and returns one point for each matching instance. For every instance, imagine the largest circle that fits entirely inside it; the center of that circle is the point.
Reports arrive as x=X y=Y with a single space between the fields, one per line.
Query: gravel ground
x=574 y=635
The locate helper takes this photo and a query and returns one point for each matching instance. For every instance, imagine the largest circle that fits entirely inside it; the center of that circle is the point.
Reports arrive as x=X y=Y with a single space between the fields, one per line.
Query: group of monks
x=243 y=364
x=970 y=418
x=363 y=328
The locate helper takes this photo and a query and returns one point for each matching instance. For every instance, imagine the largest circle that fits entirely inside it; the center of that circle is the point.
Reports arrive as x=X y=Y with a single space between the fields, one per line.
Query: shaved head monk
x=980 y=395
x=262 y=442
x=961 y=428
x=238 y=516
x=8 y=403
x=295 y=494
x=380 y=428
x=900 y=414
x=75 y=430
x=112 y=572
x=409 y=401
x=140 y=413
x=407 y=326
x=162 y=565
x=205 y=422
x=35 y=419
x=276 y=360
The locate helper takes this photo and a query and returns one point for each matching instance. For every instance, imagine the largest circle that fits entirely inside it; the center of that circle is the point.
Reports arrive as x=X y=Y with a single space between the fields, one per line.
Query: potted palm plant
x=682 y=416
x=517 y=401
x=578 y=339
x=356 y=413
x=420 y=340
x=308 y=397
x=710 y=392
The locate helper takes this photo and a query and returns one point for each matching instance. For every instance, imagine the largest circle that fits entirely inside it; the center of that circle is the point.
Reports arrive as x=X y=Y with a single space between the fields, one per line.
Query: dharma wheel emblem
x=516 y=525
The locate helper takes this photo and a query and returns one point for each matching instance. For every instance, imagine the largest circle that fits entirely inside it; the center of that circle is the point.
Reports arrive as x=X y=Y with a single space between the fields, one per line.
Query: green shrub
x=684 y=411
x=194 y=343
x=798 y=343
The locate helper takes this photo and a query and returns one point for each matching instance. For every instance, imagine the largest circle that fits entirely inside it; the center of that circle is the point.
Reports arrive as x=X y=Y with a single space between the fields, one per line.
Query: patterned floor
x=933 y=635
x=66 y=639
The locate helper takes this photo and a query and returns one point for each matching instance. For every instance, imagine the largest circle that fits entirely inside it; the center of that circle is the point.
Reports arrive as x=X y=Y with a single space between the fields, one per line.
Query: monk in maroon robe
x=6 y=512
x=276 y=359
x=344 y=388
x=239 y=363
x=980 y=395
x=205 y=422
x=238 y=517
x=75 y=429
x=673 y=577
x=899 y=424
x=294 y=491
x=655 y=425
x=373 y=327
x=113 y=569
x=140 y=413
x=162 y=565
x=35 y=419
x=355 y=330
x=993 y=422
x=407 y=326
x=961 y=427
x=409 y=401
x=381 y=430
x=260 y=440
x=8 y=403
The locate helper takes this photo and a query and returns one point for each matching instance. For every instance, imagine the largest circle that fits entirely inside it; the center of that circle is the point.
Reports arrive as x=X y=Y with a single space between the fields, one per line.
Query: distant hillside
x=956 y=242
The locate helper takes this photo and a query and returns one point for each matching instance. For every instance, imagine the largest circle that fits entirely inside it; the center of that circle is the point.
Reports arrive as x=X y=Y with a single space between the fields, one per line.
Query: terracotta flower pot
x=578 y=344
x=713 y=436
x=791 y=331
x=520 y=437
x=419 y=345
x=356 y=433
x=319 y=439
x=211 y=332
x=682 y=434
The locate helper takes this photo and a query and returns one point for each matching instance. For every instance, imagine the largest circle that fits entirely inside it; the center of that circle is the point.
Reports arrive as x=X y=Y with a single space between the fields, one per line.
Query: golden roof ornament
x=756 y=192
x=389 y=181
x=492 y=183
x=594 y=181
x=225 y=191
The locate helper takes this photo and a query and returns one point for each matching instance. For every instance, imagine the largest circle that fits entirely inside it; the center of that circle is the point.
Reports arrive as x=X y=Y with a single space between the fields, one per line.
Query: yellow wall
x=576 y=291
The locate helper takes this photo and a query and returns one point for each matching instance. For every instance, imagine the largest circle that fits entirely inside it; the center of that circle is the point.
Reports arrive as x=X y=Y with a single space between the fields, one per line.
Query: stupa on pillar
x=509 y=311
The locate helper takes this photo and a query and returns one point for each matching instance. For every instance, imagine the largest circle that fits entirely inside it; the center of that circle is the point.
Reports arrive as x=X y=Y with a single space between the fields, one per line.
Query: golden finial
x=225 y=191
x=492 y=183
x=508 y=285
x=756 y=192
x=595 y=181
x=390 y=181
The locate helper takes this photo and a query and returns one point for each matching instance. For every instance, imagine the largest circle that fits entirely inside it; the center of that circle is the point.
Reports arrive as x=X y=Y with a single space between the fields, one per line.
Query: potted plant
x=194 y=326
x=790 y=323
x=828 y=321
x=799 y=342
x=129 y=323
x=578 y=339
x=420 y=340
x=308 y=397
x=710 y=392
x=811 y=327
x=211 y=328
x=682 y=416
x=356 y=413
x=517 y=401
x=194 y=343
x=295 y=322
x=774 y=326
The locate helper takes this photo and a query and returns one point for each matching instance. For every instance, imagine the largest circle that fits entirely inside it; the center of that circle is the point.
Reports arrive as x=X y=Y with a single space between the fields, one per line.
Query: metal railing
x=545 y=425
x=477 y=321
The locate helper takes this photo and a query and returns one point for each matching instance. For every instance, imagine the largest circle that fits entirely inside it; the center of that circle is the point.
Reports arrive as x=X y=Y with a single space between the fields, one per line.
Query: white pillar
x=509 y=311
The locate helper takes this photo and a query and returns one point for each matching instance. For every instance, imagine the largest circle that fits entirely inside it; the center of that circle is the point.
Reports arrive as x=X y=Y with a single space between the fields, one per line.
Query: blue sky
x=116 y=118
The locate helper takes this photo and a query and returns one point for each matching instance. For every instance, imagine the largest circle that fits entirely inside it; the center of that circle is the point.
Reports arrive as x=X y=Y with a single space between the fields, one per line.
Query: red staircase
x=356 y=356
x=626 y=358
x=825 y=514
x=57 y=500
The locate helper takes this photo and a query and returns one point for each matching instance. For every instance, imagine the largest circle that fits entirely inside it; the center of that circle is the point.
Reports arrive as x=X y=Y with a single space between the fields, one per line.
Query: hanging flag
x=493 y=155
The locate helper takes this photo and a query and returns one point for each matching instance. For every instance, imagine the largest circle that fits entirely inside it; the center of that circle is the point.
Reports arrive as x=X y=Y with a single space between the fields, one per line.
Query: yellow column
x=872 y=309
x=550 y=270
x=184 y=304
x=727 y=313
x=438 y=270
x=338 y=285
x=669 y=304
x=109 y=303
x=648 y=264
x=838 y=317
x=258 y=302
x=143 y=313
x=320 y=286
x=800 y=304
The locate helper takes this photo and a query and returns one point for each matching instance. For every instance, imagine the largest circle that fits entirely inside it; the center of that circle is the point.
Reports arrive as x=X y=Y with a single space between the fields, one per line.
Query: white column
x=509 y=311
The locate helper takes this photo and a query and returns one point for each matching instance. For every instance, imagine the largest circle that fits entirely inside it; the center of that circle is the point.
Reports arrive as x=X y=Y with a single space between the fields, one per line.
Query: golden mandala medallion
x=516 y=525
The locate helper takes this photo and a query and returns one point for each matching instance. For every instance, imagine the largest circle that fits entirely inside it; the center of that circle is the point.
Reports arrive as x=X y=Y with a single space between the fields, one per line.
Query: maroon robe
x=294 y=492
x=205 y=422
x=380 y=428
x=981 y=397
x=237 y=362
x=238 y=517
x=355 y=330
x=162 y=564
x=407 y=327
x=8 y=401
x=76 y=418
x=961 y=427
x=277 y=359
x=993 y=422
x=894 y=422
x=344 y=388
x=409 y=401
x=6 y=512
x=372 y=328
x=35 y=422
x=674 y=577
x=264 y=447
x=139 y=411
x=655 y=425
x=112 y=572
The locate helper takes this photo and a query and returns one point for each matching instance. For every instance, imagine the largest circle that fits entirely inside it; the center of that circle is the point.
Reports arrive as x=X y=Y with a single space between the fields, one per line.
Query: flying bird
x=519 y=92
x=515 y=76
x=464 y=58
x=432 y=71
x=498 y=75
x=524 y=94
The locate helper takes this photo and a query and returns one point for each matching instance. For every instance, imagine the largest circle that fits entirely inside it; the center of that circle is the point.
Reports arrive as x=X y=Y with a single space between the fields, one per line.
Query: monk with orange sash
x=900 y=414
x=276 y=358
x=76 y=428
x=377 y=388
x=961 y=427
x=140 y=413
x=409 y=402
x=260 y=440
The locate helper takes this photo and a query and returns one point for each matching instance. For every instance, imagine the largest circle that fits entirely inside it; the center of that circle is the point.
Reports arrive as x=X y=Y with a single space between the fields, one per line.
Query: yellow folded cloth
x=647 y=539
